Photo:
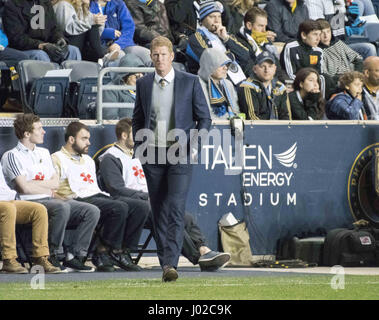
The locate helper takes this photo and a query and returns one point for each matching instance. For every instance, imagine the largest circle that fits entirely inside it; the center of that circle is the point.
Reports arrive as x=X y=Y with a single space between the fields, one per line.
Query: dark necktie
x=162 y=83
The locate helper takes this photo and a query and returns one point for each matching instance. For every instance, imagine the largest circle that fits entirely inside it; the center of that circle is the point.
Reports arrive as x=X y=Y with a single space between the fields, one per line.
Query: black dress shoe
x=123 y=261
x=103 y=263
x=169 y=274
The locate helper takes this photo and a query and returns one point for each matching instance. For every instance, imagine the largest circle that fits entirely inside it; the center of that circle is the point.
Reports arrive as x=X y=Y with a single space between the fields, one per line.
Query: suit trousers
x=193 y=238
x=23 y=212
x=168 y=186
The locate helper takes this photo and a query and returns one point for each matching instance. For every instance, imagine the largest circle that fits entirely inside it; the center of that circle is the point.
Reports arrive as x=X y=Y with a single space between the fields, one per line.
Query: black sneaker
x=124 y=261
x=103 y=262
x=213 y=260
x=77 y=265
x=53 y=259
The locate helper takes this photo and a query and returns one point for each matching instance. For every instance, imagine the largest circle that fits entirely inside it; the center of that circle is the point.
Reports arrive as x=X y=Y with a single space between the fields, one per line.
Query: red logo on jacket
x=138 y=172
x=86 y=178
x=39 y=176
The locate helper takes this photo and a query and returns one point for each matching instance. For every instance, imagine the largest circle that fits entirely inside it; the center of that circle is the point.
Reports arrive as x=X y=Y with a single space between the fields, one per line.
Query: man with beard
x=122 y=220
x=29 y=170
x=371 y=87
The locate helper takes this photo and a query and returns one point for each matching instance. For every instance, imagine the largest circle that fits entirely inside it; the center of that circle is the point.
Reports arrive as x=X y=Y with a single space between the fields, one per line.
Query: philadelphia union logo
x=362 y=196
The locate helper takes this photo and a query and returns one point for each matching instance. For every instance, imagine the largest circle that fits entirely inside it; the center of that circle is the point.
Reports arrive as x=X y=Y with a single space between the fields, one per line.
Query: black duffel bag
x=356 y=247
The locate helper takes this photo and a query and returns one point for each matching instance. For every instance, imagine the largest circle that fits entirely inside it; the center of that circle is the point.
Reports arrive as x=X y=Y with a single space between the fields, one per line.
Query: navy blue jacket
x=191 y=108
x=344 y=107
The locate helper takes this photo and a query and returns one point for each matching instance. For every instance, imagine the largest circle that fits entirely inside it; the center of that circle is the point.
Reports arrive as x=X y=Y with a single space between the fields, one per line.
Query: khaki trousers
x=23 y=212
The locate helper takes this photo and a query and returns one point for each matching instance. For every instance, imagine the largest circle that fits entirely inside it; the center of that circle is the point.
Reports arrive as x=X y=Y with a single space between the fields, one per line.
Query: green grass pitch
x=296 y=287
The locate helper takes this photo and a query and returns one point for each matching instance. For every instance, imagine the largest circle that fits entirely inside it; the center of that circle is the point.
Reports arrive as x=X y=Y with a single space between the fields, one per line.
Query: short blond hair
x=161 y=41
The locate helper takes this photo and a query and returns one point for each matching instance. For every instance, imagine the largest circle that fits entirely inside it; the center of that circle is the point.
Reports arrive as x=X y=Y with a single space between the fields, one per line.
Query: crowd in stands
x=330 y=37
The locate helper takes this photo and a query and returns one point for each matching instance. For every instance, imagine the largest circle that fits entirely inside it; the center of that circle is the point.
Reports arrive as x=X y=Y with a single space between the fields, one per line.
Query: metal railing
x=100 y=87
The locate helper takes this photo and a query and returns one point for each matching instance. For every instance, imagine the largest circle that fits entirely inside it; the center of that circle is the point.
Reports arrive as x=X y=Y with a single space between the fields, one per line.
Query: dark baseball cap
x=265 y=56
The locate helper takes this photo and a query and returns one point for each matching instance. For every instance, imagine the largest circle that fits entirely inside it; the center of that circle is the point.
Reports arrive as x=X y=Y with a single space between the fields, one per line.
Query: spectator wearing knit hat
x=213 y=34
x=184 y=15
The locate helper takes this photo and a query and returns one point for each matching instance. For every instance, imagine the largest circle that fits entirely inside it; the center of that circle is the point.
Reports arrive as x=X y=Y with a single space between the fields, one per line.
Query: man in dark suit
x=167 y=100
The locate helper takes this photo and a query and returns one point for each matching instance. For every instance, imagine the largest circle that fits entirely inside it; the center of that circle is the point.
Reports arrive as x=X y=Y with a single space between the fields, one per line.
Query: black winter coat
x=282 y=21
x=18 y=22
x=254 y=101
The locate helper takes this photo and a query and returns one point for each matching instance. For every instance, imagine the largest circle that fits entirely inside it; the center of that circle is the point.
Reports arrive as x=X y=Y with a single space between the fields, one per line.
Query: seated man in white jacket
x=28 y=169
x=122 y=221
x=120 y=175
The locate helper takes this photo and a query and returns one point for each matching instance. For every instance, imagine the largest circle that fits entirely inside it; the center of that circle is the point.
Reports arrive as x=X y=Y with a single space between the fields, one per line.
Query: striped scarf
x=219 y=103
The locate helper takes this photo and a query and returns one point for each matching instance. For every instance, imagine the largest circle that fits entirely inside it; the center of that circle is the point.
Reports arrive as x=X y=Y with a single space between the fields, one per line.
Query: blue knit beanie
x=207 y=7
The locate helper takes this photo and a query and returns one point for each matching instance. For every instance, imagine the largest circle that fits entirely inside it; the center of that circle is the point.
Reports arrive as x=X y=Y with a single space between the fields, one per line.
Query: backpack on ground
x=357 y=247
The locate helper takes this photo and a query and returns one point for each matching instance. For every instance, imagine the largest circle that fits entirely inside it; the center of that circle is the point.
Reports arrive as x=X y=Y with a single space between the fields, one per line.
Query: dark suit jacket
x=191 y=109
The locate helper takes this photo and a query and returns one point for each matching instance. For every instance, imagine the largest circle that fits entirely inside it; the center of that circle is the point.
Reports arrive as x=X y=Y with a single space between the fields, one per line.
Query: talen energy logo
x=287 y=158
x=362 y=198
x=266 y=177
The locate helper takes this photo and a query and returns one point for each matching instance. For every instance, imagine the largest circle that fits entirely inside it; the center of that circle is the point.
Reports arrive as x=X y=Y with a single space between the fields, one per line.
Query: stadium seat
x=45 y=96
x=83 y=88
x=81 y=69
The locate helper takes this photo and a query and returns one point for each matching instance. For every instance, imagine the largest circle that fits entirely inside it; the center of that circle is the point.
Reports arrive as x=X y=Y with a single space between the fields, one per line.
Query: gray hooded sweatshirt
x=129 y=60
x=210 y=60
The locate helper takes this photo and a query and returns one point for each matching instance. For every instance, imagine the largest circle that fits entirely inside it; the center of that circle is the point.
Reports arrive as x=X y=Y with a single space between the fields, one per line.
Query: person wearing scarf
x=219 y=92
x=213 y=34
x=254 y=35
